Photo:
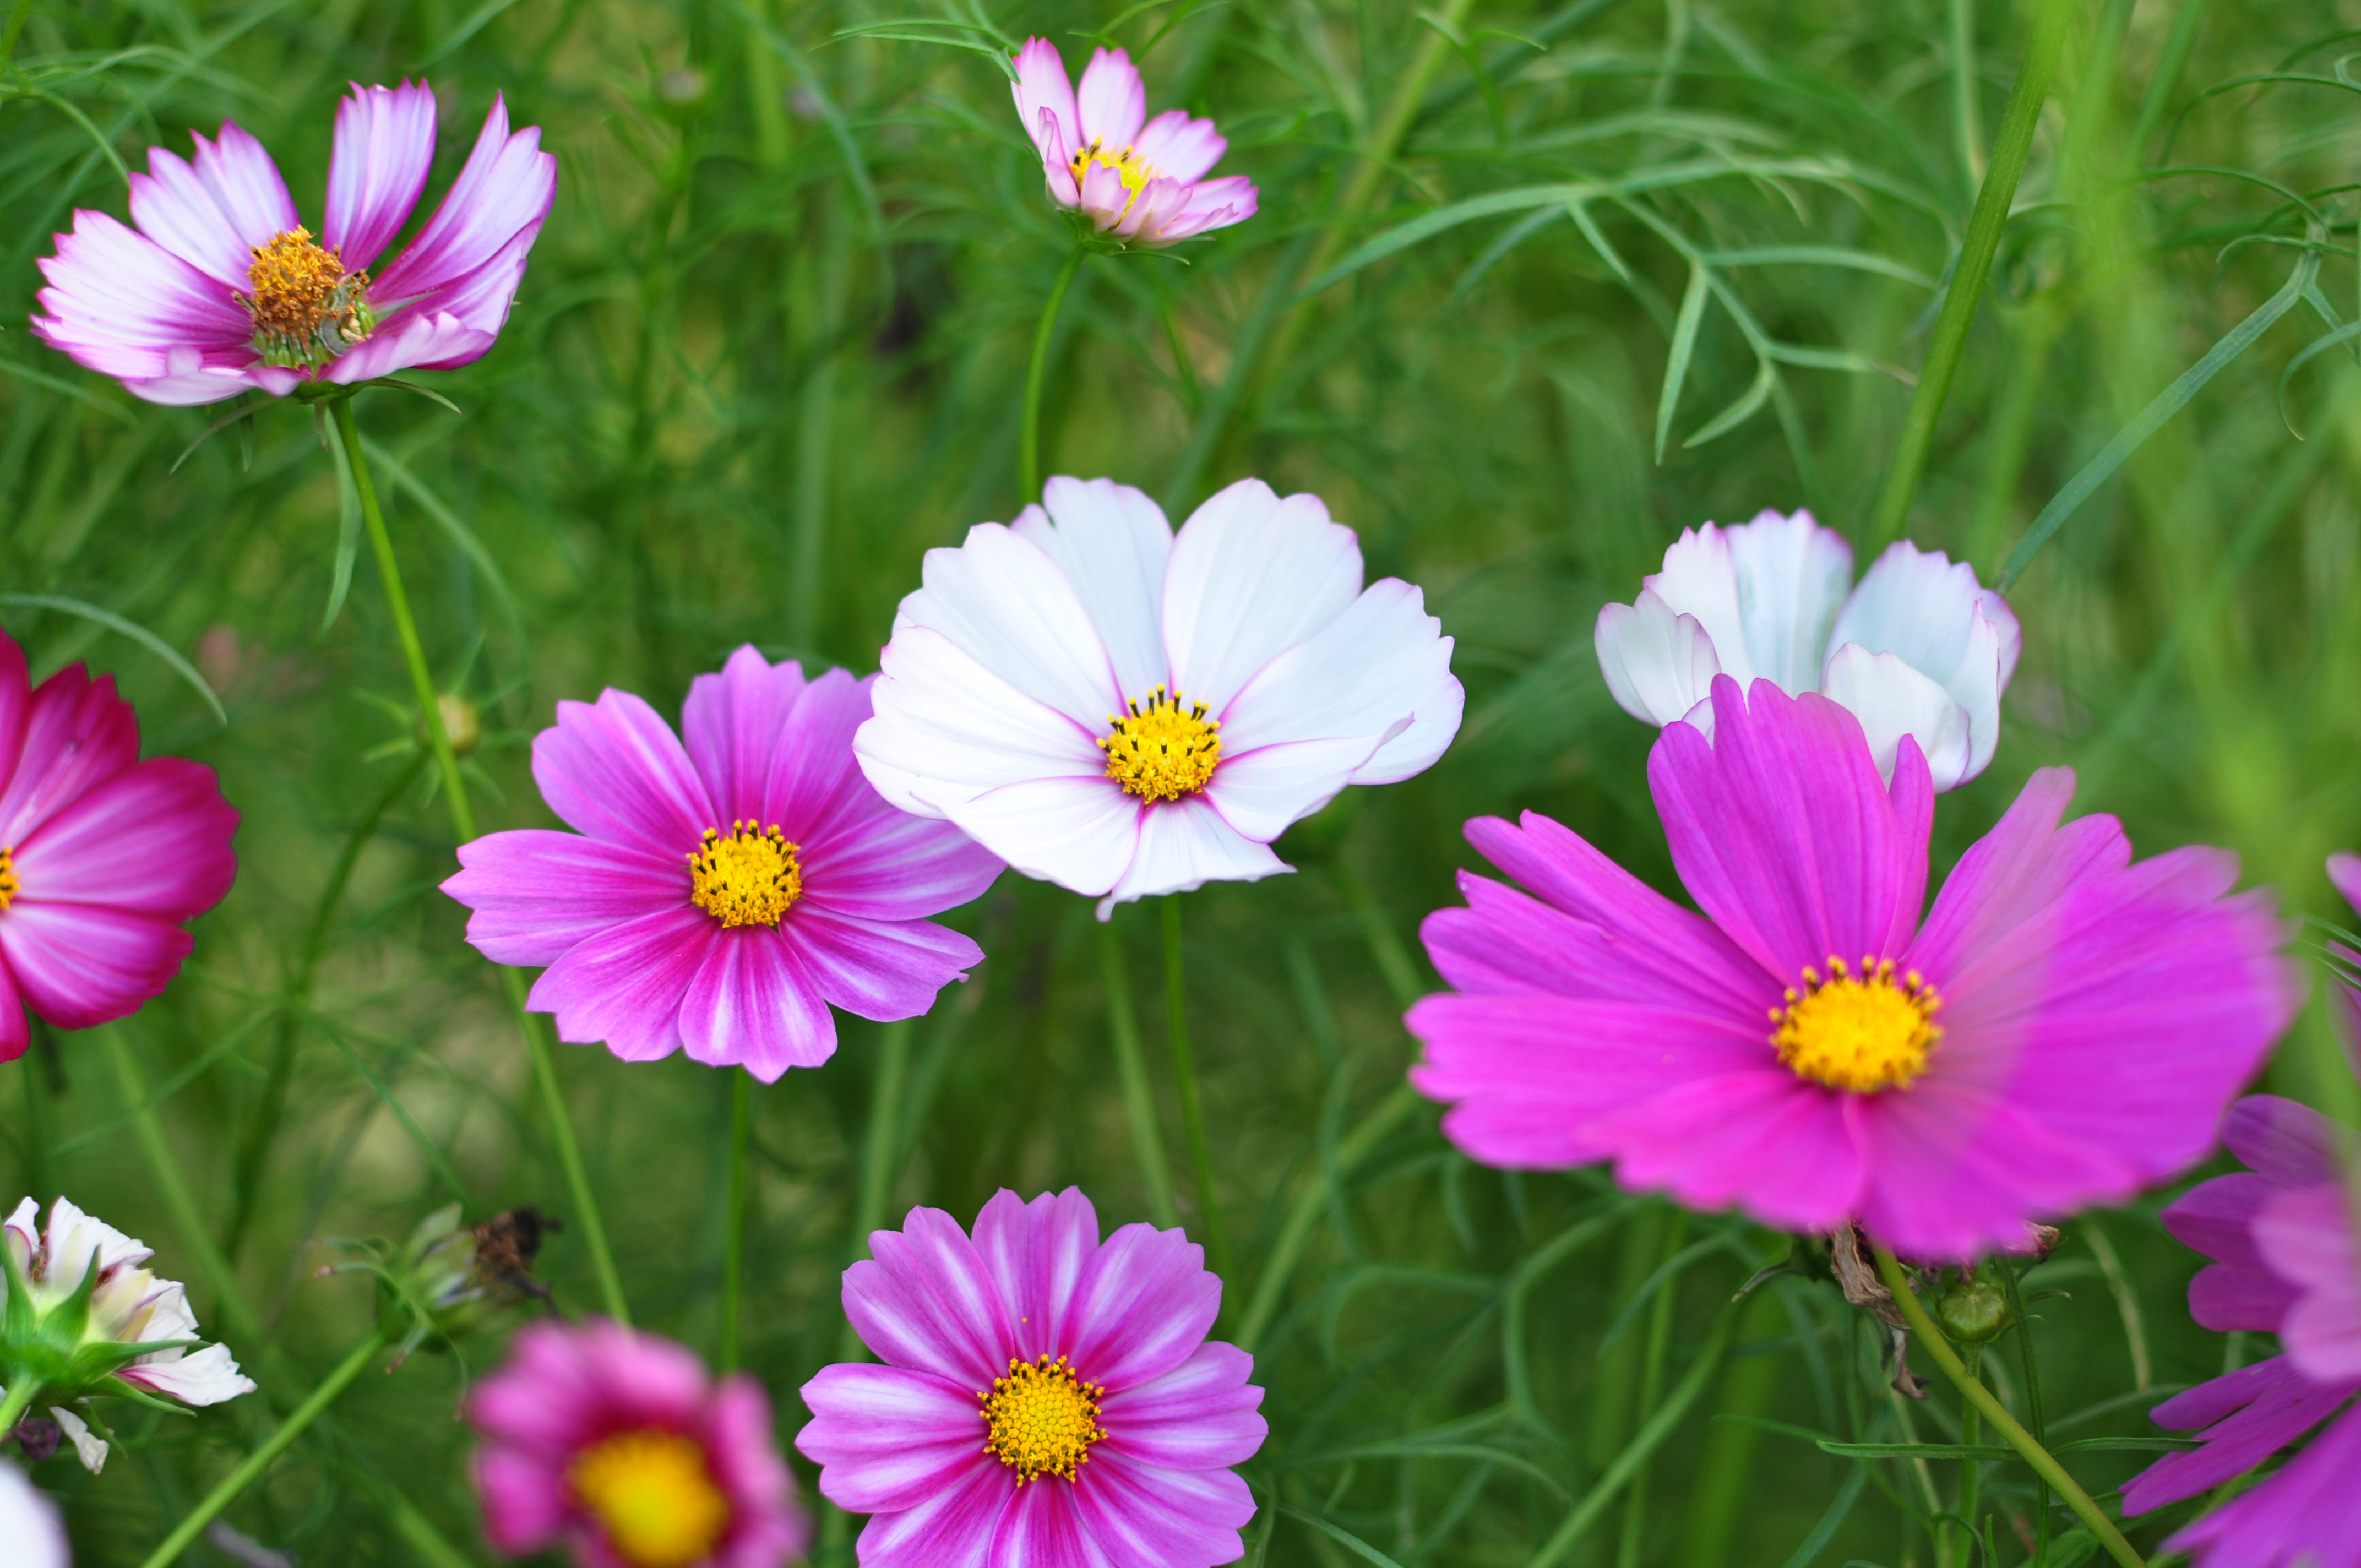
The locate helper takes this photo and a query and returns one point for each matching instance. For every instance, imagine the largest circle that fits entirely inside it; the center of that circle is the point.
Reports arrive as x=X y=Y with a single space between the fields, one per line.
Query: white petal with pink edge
x=1890 y=699
x=946 y=730
x=214 y=213
x=1112 y=543
x=1183 y=845
x=1004 y=602
x=384 y=151
x=1251 y=576
x=1080 y=832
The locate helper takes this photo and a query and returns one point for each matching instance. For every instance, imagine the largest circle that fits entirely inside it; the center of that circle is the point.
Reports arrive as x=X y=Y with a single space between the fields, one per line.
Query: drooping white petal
x=1184 y=844
x=1251 y=576
x=1110 y=540
x=1658 y=663
x=945 y=728
x=1890 y=699
x=1791 y=577
x=1080 y=832
x=205 y=1376
x=89 y=1447
x=1929 y=612
x=1004 y=602
x=1382 y=662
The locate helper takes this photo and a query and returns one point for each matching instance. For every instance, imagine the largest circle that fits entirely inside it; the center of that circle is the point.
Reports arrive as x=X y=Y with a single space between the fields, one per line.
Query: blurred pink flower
x=617 y=1445
x=29 y=1523
x=1108 y=1421
x=720 y=897
x=1144 y=183
x=103 y=858
x=2062 y=1028
x=2287 y=1262
x=221 y=289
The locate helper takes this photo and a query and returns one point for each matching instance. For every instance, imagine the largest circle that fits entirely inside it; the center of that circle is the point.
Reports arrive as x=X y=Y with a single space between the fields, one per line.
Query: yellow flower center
x=1129 y=167
x=750 y=878
x=651 y=1491
x=1163 y=750
x=1043 y=1418
x=1861 y=1032
x=306 y=308
x=7 y=876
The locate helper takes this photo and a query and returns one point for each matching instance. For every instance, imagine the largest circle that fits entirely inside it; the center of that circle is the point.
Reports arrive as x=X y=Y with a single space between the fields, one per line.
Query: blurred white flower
x=30 y=1531
x=1919 y=648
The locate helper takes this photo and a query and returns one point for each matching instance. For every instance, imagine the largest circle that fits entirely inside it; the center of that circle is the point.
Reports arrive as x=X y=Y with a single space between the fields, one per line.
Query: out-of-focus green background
x=770 y=350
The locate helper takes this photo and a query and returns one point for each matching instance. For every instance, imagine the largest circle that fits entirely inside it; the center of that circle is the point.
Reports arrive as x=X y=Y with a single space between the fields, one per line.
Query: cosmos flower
x=719 y=897
x=1144 y=183
x=104 y=859
x=1125 y=712
x=120 y=1309
x=2287 y=1262
x=616 y=1445
x=1917 y=648
x=1046 y=1399
x=2062 y=1028
x=221 y=289
x=29 y=1524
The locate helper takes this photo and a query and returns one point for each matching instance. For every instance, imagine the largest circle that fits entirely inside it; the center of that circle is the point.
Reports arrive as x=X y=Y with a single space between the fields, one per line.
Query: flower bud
x=461 y=723
x=1973 y=1310
x=450 y=1280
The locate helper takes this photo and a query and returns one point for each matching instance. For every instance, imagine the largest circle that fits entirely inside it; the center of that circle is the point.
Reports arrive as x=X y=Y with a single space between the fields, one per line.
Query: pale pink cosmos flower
x=717 y=897
x=104 y=859
x=221 y=289
x=1139 y=179
x=616 y=1445
x=29 y=1524
x=1047 y=1399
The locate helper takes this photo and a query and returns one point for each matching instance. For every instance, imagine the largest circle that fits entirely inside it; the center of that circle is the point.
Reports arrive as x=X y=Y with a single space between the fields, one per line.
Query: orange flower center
x=7 y=876
x=1859 y=1032
x=1164 y=750
x=1043 y=1419
x=305 y=307
x=750 y=878
x=651 y=1493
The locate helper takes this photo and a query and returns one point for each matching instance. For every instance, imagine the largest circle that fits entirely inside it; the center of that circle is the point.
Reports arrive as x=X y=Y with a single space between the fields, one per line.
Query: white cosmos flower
x=1917 y=648
x=29 y=1526
x=1125 y=712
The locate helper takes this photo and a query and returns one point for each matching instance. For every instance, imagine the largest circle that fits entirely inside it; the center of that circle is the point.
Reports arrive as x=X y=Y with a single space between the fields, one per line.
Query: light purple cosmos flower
x=617 y=1445
x=2062 y=1028
x=221 y=289
x=1046 y=1399
x=1141 y=180
x=720 y=897
x=104 y=859
x=29 y=1523
x=1916 y=649
x=2287 y=1262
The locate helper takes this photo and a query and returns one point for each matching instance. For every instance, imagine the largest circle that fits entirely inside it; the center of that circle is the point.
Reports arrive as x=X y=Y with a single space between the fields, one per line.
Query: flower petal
x=77 y=735
x=535 y=894
x=505 y=189
x=1042 y=88
x=887 y=1438
x=625 y=985
x=154 y=839
x=925 y=1301
x=1201 y=1415
x=879 y=970
x=1175 y=1518
x=878 y=863
x=1251 y=576
x=205 y=1376
x=1111 y=542
x=1890 y=699
x=15 y=1027
x=2246 y=1417
x=524 y=1498
x=2308 y=1515
x=614 y=771
x=215 y=213
x=1039 y=1252
x=1113 y=100
x=1659 y=665
x=1183 y=845
x=811 y=787
x=1004 y=600
x=385 y=148
x=411 y=340
x=753 y=1004
x=2307 y=1238
x=953 y=1528
x=88 y=1447
x=947 y=730
x=80 y=965
x=2287 y=1144
x=121 y=304
x=730 y=726
x=29 y=1520
x=1261 y=792
x=1042 y=1526
x=1083 y=834
x=1179 y=148
x=1142 y=1307
x=1930 y=613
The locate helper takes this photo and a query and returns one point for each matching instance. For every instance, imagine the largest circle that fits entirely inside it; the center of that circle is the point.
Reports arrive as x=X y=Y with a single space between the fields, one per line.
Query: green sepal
x=117 y=1389
x=69 y=1320
x=93 y=1363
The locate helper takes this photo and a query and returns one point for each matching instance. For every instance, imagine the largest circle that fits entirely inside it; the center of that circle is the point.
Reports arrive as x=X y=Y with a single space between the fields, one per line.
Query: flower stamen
x=7 y=876
x=1163 y=750
x=1043 y=1418
x=1134 y=171
x=306 y=309
x=750 y=878
x=1862 y=1033
x=652 y=1492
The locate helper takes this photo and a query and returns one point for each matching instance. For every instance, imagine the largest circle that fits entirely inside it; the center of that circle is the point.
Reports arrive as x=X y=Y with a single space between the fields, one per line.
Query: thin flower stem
x=733 y=1244
x=1028 y=438
x=1184 y=1071
x=247 y=1474
x=1973 y=266
x=463 y=817
x=1970 y=1433
x=1931 y=1339
x=1147 y=1141
x=20 y=1400
x=2032 y=1404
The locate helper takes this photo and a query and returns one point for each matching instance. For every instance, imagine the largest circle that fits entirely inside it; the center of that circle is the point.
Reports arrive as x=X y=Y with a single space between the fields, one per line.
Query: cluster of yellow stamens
x=7 y=876
x=1134 y=171
x=1163 y=750
x=1863 y=1032
x=306 y=308
x=654 y=1495
x=750 y=878
x=1043 y=1418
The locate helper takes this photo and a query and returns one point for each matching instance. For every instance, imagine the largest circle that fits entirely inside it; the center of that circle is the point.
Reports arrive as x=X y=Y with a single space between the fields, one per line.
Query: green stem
x=1028 y=438
x=1652 y=1390
x=463 y=817
x=1930 y=1340
x=20 y=1400
x=1147 y=1141
x=1970 y=1433
x=16 y=27
x=2032 y=1404
x=1974 y=265
x=1966 y=113
x=1192 y=1114
x=733 y=1246
x=247 y=1472
x=172 y=1185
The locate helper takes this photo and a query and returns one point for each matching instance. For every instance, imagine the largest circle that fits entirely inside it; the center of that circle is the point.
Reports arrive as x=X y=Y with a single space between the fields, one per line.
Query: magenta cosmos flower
x=2062 y=1028
x=104 y=859
x=1046 y=1399
x=721 y=896
x=221 y=289
x=1141 y=180
x=617 y=1445
x=2287 y=1262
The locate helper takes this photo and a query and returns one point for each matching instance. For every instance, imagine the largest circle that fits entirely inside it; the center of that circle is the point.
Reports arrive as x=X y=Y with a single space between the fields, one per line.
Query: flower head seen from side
x=1126 y=712
x=1046 y=1397
x=1916 y=649
x=79 y=1316
x=103 y=858
x=2062 y=1028
x=1135 y=180
x=29 y=1523
x=616 y=1445
x=219 y=287
x=2287 y=1261
x=717 y=897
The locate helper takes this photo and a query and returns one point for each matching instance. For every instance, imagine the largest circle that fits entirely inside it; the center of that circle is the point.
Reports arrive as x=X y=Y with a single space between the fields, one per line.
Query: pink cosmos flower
x=1145 y=184
x=617 y=1445
x=1047 y=1399
x=719 y=897
x=221 y=289
x=2287 y=1262
x=104 y=859
x=2063 y=1028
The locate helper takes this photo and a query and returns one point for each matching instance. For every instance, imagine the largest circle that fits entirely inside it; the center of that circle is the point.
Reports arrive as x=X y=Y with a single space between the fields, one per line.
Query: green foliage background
x=770 y=350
